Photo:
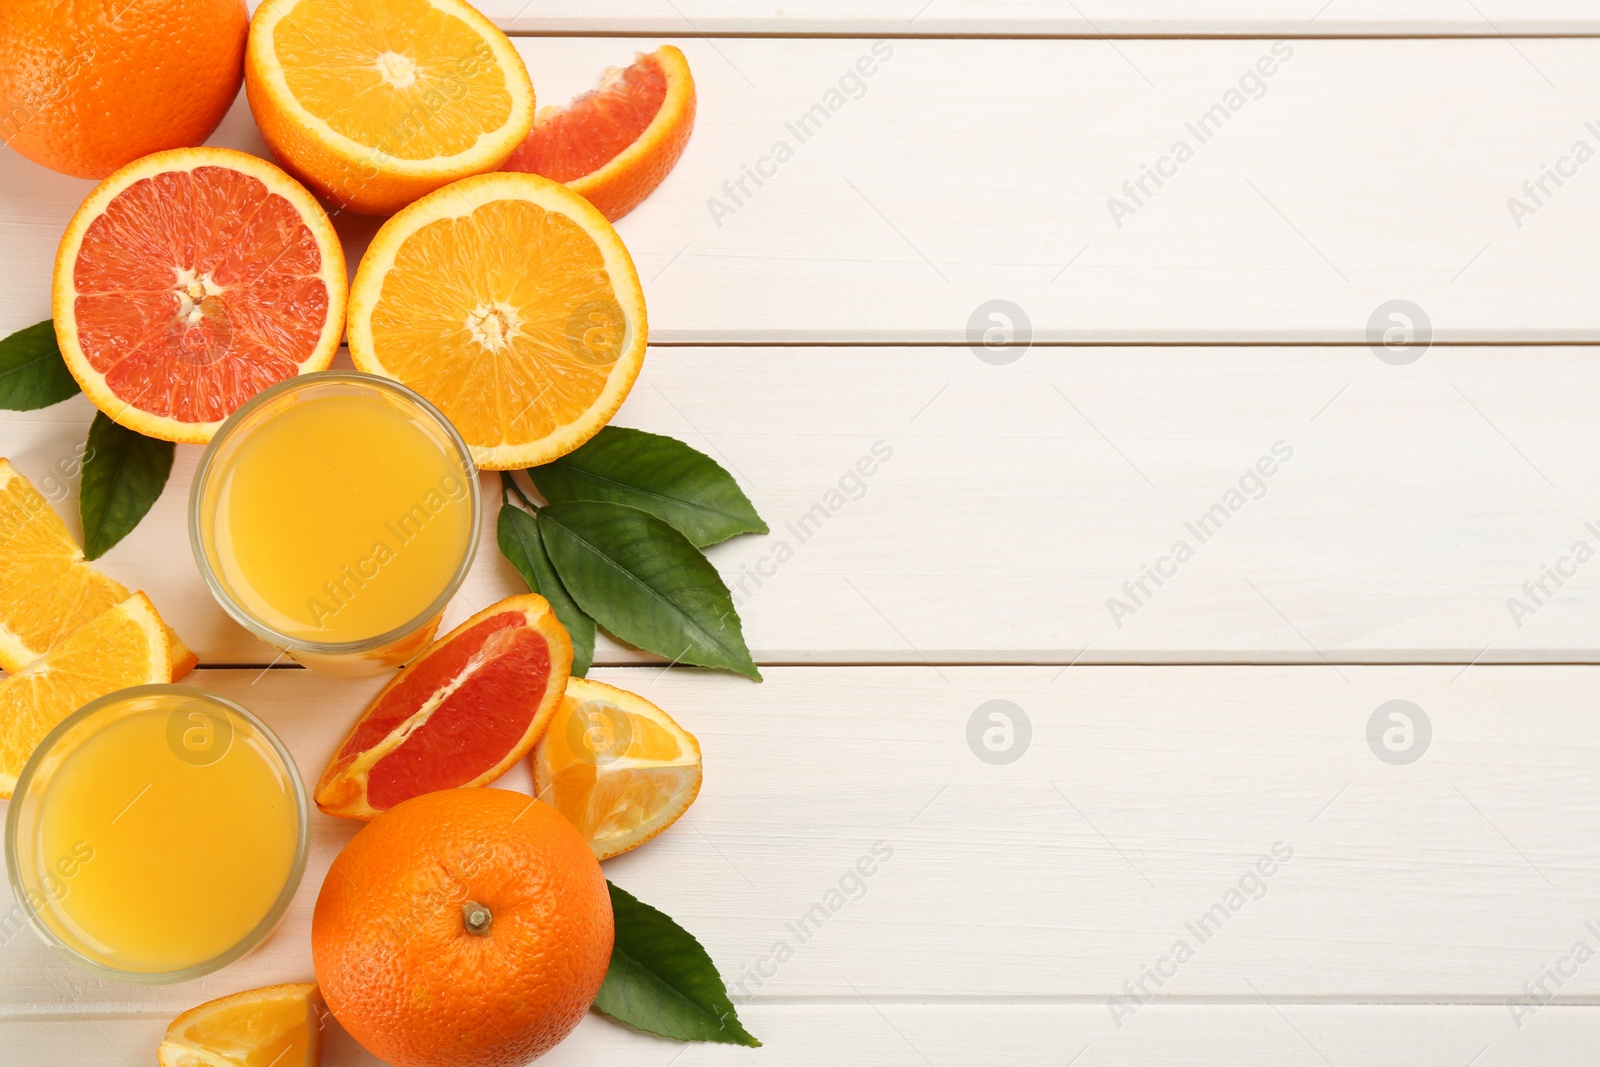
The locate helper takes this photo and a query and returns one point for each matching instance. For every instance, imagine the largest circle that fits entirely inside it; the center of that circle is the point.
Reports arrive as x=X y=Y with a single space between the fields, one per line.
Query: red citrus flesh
x=592 y=130
x=461 y=715
x=196 y=290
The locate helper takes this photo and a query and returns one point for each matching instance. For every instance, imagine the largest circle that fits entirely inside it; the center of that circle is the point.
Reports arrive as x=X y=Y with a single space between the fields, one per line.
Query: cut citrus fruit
x=614 y=145
x=47 y=590
x=375 y=102
x=276 y=1026
x=461 y=715
x=124 y=646
x=189 y=281
x=616 y=765
x=509 y=302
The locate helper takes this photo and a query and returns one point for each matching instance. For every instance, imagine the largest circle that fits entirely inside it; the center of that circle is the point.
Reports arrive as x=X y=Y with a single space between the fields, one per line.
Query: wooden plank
x=1136 y=817
x=895 y=215
x=1016 y=502
x=801 y=1035
x=1048 y=18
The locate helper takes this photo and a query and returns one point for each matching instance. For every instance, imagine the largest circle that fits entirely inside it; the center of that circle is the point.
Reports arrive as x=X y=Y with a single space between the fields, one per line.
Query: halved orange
x=508 y=301
x=124 y=646
x=616 y=765
x=614 y=145
x=47 y=589
x=189 y=281
x=472 y=706
x=276 y=1026
x=375 y=102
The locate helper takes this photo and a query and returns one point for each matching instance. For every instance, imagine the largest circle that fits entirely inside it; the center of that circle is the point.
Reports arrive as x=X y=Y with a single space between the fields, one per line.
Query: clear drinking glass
x=405 y=550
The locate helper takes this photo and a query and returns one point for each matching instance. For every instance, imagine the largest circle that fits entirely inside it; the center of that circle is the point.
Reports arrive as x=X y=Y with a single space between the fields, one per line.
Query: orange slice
x=124 y=646
x=614 y=145
x=47 y=590
x=375 y=102
x=191 y=280
x=616 y=765
x=472 y=706
x=278 y=1026
x=509 y=301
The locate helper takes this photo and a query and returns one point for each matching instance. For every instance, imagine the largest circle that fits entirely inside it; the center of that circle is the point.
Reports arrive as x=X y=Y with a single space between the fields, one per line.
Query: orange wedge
x=508 y=301
x=614 y=145
x=461 y=715
x=124 y=646
x=47 y=590
x=615 y=765
x=189 y=281
x=278 y=1026
x=373 y=103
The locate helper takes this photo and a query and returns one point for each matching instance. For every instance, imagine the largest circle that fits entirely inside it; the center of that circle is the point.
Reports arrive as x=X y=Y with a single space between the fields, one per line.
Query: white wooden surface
x=1229 y=710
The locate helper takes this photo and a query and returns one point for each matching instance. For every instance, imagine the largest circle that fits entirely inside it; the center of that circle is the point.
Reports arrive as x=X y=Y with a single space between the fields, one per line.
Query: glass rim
x=258 y=933
x=271 y=634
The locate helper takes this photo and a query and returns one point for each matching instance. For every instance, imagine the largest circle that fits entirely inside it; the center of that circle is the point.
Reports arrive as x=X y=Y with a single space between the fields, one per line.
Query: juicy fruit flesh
x=196 y=290
x=121 y=647
x=610 y=771
x=464 y=706
x=272 y=1027
x=185 y=857
x=590 y=132
x=427 y=83
x=48 y=590
x=381 y=519
x=533 y=335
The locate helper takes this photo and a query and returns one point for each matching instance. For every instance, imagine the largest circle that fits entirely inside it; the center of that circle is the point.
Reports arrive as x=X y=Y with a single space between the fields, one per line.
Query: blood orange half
x=614 y=145
x=474 y=704
x=189 y=281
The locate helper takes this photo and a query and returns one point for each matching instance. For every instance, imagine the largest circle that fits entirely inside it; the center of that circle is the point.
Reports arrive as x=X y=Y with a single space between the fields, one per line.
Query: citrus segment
x=376 y=102
x=47 y=590
x=614 y=145
x=277 y=1026
x=89 y=86
x=468 y=927
x=615 y=765
x=123 y=646
x=461 y=715
x=189 y=281
x=510 y=303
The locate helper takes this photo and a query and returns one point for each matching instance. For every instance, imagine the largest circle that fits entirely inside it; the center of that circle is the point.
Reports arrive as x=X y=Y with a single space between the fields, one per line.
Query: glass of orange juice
x=157 y=834
x=334 y=515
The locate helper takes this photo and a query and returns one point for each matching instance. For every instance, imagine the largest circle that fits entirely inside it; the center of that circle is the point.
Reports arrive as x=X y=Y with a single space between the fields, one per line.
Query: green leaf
x=662 y=981
x=682 y=486
x=123 y=474
x=32 y=373
x=646 y=583
x=518 y=533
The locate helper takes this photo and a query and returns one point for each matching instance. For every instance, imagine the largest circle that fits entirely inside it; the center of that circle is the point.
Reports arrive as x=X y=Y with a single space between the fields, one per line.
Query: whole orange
x=462 y=928
x=89 y=85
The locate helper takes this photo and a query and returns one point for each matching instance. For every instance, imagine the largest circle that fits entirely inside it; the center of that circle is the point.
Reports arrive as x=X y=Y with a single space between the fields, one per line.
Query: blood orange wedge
x=615 y=765
x=509 y=302
x=189 y=281
x=472 y=706
x=614 y=145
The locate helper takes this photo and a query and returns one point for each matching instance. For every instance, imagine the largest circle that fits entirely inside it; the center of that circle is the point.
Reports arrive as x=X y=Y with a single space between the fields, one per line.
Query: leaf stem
x=508 y=481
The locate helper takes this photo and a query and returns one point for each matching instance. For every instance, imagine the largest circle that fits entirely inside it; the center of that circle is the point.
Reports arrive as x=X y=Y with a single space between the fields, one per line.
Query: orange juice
x=157 y=830
x=340 y=510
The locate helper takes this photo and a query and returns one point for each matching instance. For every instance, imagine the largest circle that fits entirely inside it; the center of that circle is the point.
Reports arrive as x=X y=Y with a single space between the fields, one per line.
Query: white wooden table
x=1030 y=910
